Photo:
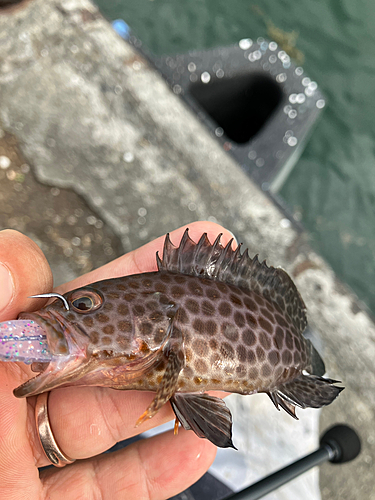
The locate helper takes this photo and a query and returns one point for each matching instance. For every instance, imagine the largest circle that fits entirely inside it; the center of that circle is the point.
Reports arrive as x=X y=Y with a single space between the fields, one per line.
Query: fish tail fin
x=317 y=364
x=305 y=391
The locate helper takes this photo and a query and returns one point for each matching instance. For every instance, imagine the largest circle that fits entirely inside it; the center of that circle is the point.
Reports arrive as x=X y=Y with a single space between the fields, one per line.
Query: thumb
x=24 y=271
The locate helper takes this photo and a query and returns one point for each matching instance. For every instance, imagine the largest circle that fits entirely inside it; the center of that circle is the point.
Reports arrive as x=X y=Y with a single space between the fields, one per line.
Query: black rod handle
x=339 y=444
x=284 y=475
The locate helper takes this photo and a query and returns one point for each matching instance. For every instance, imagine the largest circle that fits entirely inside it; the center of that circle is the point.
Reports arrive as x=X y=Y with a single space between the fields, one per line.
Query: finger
x=150 y=469
x=143 y=259
x=24 y=271
x=18 y=474
x=87 y=421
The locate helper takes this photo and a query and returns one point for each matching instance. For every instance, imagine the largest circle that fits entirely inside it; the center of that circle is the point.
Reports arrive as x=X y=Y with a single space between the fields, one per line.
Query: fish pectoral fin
x=174 y=353
x=305 y=391
x=207 y=416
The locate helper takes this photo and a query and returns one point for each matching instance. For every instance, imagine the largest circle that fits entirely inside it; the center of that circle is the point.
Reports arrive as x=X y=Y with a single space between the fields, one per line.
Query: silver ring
x=46 y=437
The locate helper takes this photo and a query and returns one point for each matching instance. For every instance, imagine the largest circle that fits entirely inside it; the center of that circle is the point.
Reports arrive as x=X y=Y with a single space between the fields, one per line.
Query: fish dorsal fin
x=224 y=264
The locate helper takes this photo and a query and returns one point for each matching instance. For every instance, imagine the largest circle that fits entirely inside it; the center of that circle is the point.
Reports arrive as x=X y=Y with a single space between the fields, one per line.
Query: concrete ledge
x=89 y=116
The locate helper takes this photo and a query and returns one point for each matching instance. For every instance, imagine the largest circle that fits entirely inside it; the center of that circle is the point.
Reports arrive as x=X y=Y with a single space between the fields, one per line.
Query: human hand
x=88 y=420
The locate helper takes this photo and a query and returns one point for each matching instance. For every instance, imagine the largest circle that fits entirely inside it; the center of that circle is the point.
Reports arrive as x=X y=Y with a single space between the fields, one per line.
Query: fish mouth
x=67 y=356
x=59 y=332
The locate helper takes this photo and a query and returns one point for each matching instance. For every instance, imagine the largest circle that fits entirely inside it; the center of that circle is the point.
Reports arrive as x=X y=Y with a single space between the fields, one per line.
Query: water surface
x=332 y=187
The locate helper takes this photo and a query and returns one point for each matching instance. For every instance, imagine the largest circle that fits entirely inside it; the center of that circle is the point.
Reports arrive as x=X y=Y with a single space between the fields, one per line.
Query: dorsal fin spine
x=184 y=243
x=215 y=249
x=222 y=264
x=229 y=266
x=159 y=262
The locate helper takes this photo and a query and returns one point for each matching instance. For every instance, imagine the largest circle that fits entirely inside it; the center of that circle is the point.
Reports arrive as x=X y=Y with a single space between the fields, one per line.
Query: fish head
x=93 y=339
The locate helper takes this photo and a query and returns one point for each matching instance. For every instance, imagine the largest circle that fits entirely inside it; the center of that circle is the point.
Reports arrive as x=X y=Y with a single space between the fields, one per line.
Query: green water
x=332 y=187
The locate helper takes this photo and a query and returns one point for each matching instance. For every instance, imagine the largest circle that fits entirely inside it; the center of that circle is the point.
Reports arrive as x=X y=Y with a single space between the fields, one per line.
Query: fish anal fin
x=206 y=415
x=173 y=351
x=285 y=405
x=305 y=391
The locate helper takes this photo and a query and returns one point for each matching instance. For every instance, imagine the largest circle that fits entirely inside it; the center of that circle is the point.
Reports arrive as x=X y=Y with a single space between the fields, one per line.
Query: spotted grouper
x=210 y=318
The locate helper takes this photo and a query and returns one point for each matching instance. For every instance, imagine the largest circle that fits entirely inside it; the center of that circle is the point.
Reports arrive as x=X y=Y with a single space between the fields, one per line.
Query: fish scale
x=210 y=318
x=226 y=331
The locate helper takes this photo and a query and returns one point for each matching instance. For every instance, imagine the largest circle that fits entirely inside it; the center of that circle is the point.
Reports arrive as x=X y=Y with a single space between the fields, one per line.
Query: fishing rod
x=338 y=444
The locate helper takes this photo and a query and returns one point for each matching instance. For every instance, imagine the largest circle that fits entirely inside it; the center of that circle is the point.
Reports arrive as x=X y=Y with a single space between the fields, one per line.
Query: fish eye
x=85 y=301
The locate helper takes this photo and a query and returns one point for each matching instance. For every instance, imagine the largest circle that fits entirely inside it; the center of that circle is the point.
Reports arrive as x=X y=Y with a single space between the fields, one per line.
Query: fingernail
x=6 y=287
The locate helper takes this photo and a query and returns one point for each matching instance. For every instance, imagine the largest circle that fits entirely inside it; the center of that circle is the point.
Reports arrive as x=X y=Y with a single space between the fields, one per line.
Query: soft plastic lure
x=23 y=340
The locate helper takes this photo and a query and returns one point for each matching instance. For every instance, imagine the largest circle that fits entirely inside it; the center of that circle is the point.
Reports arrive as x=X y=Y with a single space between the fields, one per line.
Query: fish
x=209 y=319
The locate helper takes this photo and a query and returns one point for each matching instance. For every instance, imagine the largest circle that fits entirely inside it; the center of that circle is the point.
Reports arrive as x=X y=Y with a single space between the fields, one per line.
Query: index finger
x=143 y=259
x=24 y=271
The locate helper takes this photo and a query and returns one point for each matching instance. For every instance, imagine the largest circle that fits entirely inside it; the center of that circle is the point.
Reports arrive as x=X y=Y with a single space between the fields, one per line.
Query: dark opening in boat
x=240 y=105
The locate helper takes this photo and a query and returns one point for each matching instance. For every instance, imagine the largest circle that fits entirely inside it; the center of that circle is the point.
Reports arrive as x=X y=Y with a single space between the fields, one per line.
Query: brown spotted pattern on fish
x=209 y=318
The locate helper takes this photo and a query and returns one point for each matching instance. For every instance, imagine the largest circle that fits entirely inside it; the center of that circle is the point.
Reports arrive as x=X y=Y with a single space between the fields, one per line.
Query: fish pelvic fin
x=208 y=416
x=305 y=391
x=173 y=351
x=233 y=267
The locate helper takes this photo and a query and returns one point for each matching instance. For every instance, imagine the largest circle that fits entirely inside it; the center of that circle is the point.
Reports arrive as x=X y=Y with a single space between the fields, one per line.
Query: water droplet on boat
x=4 y=162
x=281 y=77
x=252 y=155
x=128 y=157
x=91 y=219
x=245 y=43
x=205 y=77
x=285 y=223
x=76 y=241
x=306 y=81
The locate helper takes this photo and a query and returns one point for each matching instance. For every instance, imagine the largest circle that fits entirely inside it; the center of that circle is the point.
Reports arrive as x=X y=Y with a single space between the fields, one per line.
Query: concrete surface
x=97 y=156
